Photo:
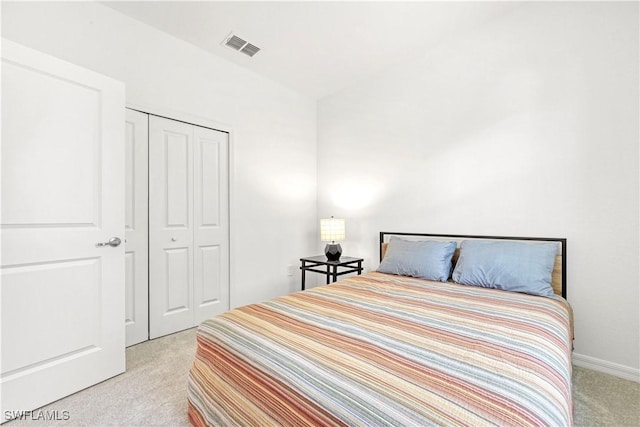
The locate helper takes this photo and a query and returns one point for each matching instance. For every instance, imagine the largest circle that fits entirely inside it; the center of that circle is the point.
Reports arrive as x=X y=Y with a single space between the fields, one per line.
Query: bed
x=395 y=349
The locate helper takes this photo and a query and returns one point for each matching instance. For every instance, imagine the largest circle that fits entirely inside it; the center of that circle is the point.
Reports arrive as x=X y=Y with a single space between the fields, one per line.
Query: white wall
x=273 y=190
x=526 y=126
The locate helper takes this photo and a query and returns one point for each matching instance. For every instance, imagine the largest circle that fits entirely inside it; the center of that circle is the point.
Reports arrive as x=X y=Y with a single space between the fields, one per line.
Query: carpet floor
x=153 y=392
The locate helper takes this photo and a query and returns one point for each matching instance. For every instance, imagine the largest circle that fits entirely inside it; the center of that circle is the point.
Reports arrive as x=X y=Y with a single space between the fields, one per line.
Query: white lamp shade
x=332 y=229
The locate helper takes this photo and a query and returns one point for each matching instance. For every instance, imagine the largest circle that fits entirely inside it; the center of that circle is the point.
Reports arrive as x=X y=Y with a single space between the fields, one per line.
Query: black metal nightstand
x=348 y=264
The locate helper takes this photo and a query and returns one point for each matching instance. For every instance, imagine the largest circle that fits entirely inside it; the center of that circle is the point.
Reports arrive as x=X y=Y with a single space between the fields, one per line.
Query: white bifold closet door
x=188 y=225
x=136 y=259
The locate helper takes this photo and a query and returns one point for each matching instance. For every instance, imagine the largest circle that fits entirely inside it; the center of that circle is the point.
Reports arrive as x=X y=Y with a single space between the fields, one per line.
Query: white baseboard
x=607 y=367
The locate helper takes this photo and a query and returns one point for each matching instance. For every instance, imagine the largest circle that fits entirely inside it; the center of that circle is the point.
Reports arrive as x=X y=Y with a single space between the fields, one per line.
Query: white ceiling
x=315 y=47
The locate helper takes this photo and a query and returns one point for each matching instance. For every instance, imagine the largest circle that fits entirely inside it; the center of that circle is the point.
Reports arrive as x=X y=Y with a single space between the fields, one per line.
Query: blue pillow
x=427 y=259
x=510 y=266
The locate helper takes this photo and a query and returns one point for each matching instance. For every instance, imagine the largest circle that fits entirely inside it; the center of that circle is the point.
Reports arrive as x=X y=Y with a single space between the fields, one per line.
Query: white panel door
x=170 y=226
x=211 y=224
x=136 y=227
x=62 y=193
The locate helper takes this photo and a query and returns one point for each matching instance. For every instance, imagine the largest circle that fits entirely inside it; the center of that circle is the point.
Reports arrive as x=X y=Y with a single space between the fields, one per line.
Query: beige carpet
x=153 y=392
x=604 y=400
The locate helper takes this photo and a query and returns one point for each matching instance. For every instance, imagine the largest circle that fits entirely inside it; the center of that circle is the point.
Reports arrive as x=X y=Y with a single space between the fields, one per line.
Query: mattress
x=385 y=350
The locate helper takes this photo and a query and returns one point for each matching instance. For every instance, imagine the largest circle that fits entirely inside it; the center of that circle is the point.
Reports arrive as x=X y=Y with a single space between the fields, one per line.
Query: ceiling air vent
x=240 y=45
x=250 y=49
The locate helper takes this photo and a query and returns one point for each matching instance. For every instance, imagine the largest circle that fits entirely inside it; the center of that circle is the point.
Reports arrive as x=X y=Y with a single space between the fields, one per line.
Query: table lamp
x=332 y=230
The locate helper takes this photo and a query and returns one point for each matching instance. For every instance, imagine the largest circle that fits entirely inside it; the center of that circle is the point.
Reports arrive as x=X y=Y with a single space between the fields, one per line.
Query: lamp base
x=333 y=251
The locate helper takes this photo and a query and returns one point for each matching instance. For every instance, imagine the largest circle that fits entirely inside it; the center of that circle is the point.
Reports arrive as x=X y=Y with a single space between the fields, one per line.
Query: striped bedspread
x=383 y=350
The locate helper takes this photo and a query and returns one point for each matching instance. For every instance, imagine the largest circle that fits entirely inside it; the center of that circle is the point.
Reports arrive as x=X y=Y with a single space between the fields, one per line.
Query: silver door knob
x=113 y=242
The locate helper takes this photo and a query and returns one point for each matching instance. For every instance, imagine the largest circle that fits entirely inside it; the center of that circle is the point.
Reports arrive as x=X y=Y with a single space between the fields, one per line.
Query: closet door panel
x=130 y=296
x=136 y=227
x=170 y=226
x=210 y=282
x=176 y=170
x=178 y=264
x=211 y=218
x=209 y=182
